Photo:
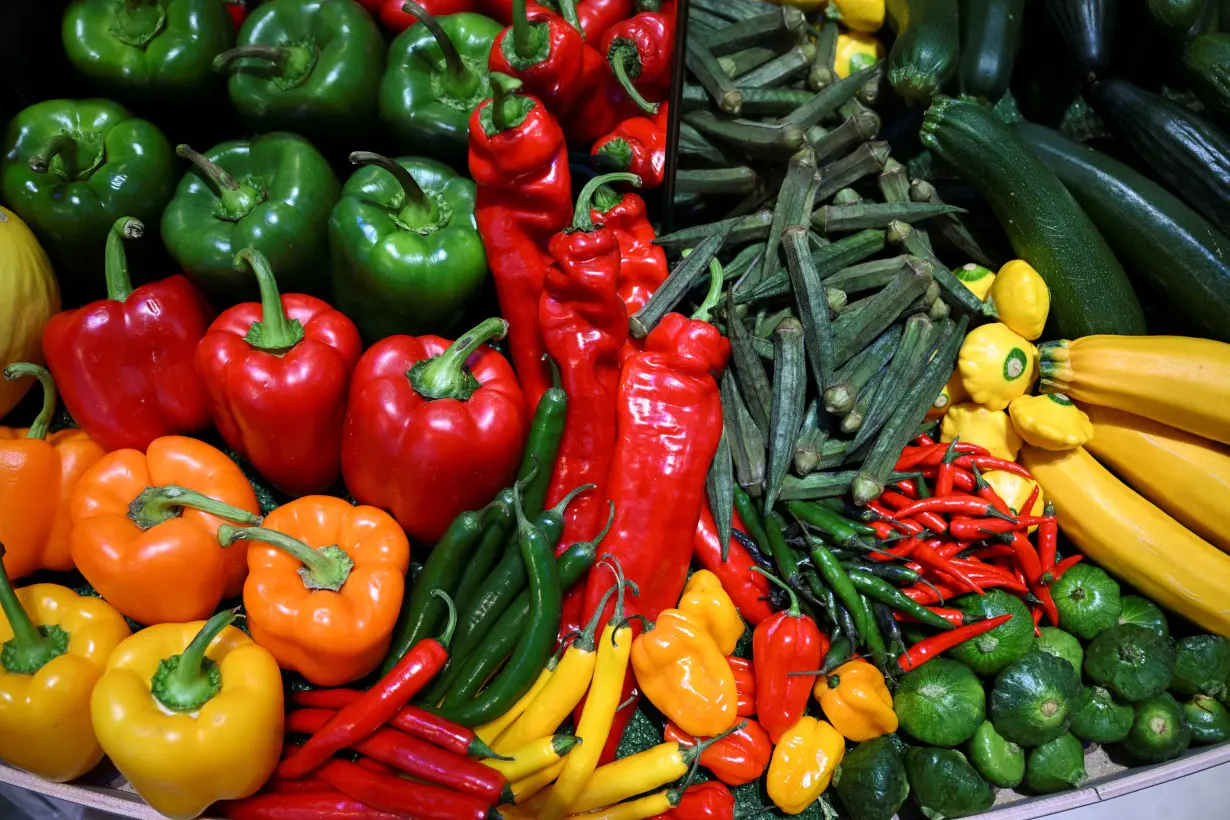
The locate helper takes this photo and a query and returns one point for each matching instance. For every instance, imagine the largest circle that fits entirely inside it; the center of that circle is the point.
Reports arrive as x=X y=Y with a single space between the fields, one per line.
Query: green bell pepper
x=407 y=257
x=71 y=168
x=272 y=194
x=437 y=76
x=147 y=49
x=309 y=66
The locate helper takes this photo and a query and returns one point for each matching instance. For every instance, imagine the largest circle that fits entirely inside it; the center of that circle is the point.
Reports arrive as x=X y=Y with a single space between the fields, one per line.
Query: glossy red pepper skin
x=557 y=80
x=126 y=370
x=600 y=102
x=427 y=461
x=642 y=264
x=748 y=590
x=649 y=39
x=421 y=801
x=739 y=758
x=925 y=650
x=598 y=16
x=238 y=11
x=745 y=684
x=524 y=198
x=283 y=411
x=501 y=10
x=787 y=642
x=410 y=719
x=393 y=19
x=640 y=145
x=704 y=801
x=323 y=802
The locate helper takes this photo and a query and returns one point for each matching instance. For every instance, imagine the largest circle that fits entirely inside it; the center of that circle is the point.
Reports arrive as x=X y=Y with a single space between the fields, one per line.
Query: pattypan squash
x=977 y=278
x=1020 y=299
x=976 y=424
x=953 y=393
x=856 y=51
x=996 y=365
x=1051 y=421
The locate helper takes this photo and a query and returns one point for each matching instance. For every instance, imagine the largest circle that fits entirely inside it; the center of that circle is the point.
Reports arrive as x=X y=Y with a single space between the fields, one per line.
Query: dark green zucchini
x=1090 y=293
x=1087 y=28
x=1173 y=254
x=990 y=39
x=1207 y=60
x=925 y=53
x=1182 y=147
x=1175 y=17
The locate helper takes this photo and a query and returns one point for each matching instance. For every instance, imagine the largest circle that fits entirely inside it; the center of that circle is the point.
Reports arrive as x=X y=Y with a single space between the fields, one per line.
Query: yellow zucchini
x=1176 y=380
x=1185 y=475
x=1132 y=539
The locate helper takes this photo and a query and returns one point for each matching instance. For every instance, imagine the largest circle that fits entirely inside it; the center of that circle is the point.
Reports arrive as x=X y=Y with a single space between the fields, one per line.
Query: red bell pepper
x=433 y=429
x=748 y=590
x=520 y=163
x=704 y=801
x=277 y=372
x=640 y=52
x=642 y=264
x=786 y=643
x=394 y=19
x=126 y=365
x=740 y=757
x=502 y=10
x=545 y=53
x=597 y=16
x=238 y=9
x=638 y=145
x=602 y=104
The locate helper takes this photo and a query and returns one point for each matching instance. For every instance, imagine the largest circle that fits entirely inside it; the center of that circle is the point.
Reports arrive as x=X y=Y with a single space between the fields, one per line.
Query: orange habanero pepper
x=684 y=674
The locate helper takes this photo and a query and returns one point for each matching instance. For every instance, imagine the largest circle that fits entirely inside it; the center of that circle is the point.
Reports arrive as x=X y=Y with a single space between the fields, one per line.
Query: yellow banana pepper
x=680 y=669
x=707 y=604
x=996 y=365
x=56 y=645
x=976 y=424
x=490 y=732
x=856 y=51
x=1051 y=421
x=533 y=757
x=651 y=805
x=856 y=701
x=860 y=15
x=525 y=789
x=191 y=714
x=803 y=763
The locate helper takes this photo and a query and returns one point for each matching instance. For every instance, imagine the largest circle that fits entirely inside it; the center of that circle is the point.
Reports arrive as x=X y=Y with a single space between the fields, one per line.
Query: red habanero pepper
x=748 y=590
x=740 y=757
x=546 y=54
x=984 y=462
x=642 y=264
x=638 y=145
x=310 y=806
x=378 y=705
x=926 y=650
x=393 y=18
x=597 y=16
x=277 y=372
x=1048 y=537
x=789 y=642
x=420 y=801
x=125 y=366
x=745 y=683
x=520 y=163
x=639 y=53
x=415 y=757
x=1056 y=572
x=710 y=800
x=433 y=429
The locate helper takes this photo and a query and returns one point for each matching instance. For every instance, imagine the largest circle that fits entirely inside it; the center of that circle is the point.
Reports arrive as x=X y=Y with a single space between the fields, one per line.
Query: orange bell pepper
x=144 y=529
x=37 y=475
x=325 y=585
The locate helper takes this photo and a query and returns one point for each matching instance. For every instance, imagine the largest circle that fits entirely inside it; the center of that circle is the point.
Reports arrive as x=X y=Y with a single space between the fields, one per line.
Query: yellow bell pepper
x=56 y=645
x=977 y=278
x=856 y=701
x=856 y=51
x=707 y=604
x=191 y=714
x=997 y=365
x=953 y=393
x=684 y=674
x=976 y=424
x=803 y=763
x=1051 y=421
x=860 y=15
x=1020 y=299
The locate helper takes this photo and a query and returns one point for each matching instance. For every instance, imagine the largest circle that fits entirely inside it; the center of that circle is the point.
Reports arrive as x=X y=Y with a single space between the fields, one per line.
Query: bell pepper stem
x=451 y=624
x=235 y=200
x=452 y=59
x=568 y=10
x=619 y=58
x=53 y=145
x=527 y=38
x=508 y=110
x=119 y=283
x=323 y=568
x=158 y=504
x=582 y=220
x=606 y=198
x=185 y=682
x=714 y=295
x=420 y=209
x=30 y=648
x=274 y=54
x=795 y=610
x=42 y=422
x=445 y=376
x=275 y=332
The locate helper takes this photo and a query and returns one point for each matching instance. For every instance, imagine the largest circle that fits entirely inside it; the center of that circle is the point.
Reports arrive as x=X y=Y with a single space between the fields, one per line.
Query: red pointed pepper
x=642 y=264
x=277 y=372
x=520 y=163
x=433 y=429
x=638 y=145
x=740 y=757
x=748 y=590
x=545 y=53
x=788 y=642
x=126 y=365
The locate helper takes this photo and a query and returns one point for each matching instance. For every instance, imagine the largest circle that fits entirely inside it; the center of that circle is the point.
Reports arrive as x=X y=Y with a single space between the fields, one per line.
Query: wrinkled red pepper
x=277 y=372
x=745 y=684
x=642 y=264
x=502 y=10
x=638 y=145
x=639 y=53
x=748 y=590
x=602 y=104
x=393 y=18
x=546 y=54
x=520 y=163
x=740 y=757
x=704 y=801
x=433 y=429
x=789 y=642
x=126 y=365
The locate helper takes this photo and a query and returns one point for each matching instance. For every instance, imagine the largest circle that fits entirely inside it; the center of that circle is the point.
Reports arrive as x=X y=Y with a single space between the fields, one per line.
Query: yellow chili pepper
x=856 y=701
x=976 y=424
x=56 y=645
x=490 y=732
x=1051 y=421
x=533 y=757
x=191 y=714
x=996 y=365
x=650 y=805
x=707 y=604
x=684 y=674
x=525 y=789
x=803 y=763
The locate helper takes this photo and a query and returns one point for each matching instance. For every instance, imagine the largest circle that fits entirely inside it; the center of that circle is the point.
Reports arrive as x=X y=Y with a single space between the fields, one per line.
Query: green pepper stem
x=42 y=422
x=558 y=509
x=795 y=611
x=695 y=751
x=582 y=220
x=507 y=112
x=323 y=568
x=274 y=333
x=714 y=295
x=452 y=59
x=416 y=198
x=619 y=151
x=568 y=10
x=236 y=200
x=451 y=624
x=158 y=504
x=445 y=376
x=57 y=144
x=525 y=37
x=28 y=651
x=185 y=682
x=586 y=638
x=274 y=54
x=619 y=58
x=119 y=283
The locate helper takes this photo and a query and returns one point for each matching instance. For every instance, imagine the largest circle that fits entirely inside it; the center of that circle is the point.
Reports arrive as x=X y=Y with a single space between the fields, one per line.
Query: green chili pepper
x=541 y=447
x=845 y=533
x=880 y=590
x=488 y=551
x=835 y=576
x=751 y=519
x=896 y=573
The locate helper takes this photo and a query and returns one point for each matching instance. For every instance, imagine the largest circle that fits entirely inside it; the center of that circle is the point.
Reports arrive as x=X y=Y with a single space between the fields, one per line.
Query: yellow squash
x=953 y=393
x=1020 y=299
x=29 y=296
x=859 y=15
x=1050 y=421
x=977 y=278
x=1134 y=540
x=1176 y=380
x=996 y=365
x=1185 y=475
x=976 y=424
x=856 y=51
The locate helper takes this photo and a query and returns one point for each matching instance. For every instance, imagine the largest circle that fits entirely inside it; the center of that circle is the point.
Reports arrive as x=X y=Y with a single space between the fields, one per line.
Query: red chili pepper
x=883 y=529
x=376 y=707
x=420 y=801
x=520 y=163
x=786 y=643
x=1048 y=537
x=277 y=373
x=642 y=264
x=923 y=440
x=929 y=520
x=964 y=528
x=710 y=800
x=238 y=11
x=415 y=757
x=545 y=53
x=926 y=555
x=597 y=16
x=906 y=487
x=926 y=595
x=984 y=462
x=925 y=650
x=748 y=590
x=1028 y=509
x=959 y=504
x=901 y=550
x=638 y=145
x=906 y=525
x=932 y=454
x=954 y=616
x=1043 y=593
x=1026 y=557
x=304 y=785
x=745 y=681
x=993 y=551
x=311 y=806
x=375 y=766
x=125 y=366
x=951 y=548
x=943 y=476
x=395 y=20
x=1057 y=571
x=962 y=480
x=740 y=757
x=639 y=52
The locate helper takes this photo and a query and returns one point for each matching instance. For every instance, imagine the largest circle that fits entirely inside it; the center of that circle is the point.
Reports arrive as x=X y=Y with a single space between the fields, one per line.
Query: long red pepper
x=925 y=650
x=943 y=476
x=964 y=528
x=748 y=590
x=307 y=806
x=932 y=454
x=1056 y=572
x=962 y=480
x=936 y=593
x=642 y=264
x=926 y=555
x=954 y=616
x=520 y=163
x=304 y=785
x=415 y=757
x=958 y=504
x=789 y=642
x=378 y=705
x=638 y=145
x=419 y=801
x=983 y=462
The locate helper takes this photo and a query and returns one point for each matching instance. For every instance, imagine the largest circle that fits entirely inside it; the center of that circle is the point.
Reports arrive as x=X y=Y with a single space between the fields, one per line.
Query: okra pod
x=789 y=402
x=828 y=259
x=779 y=71
x=704 y=66
x=701 y=22
x=720 y=487
x=852 y=132
x=894 y=182
x=821 y=73
x=763 y=348
x=746 y=263
x=810 y=447
x=756 y=139
x=747 y=444
x=853 y=376
x=813 y=306
x=735 y=180
x=733 y=10
x=915 y=241
x=692 y=143
x=826 y=102
x=854 y=216
x=792 y=208
x=845 y=197
x=767 y=323
x=868 y=275
x=852 y=332
x=671 y=292
x=852 y=422
x=750 y=372
x=741 y=62
x=951 y=226
x=755 y=102
x=916 y=341
x=739 y=231
x=863 y=161
x=778 y=25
